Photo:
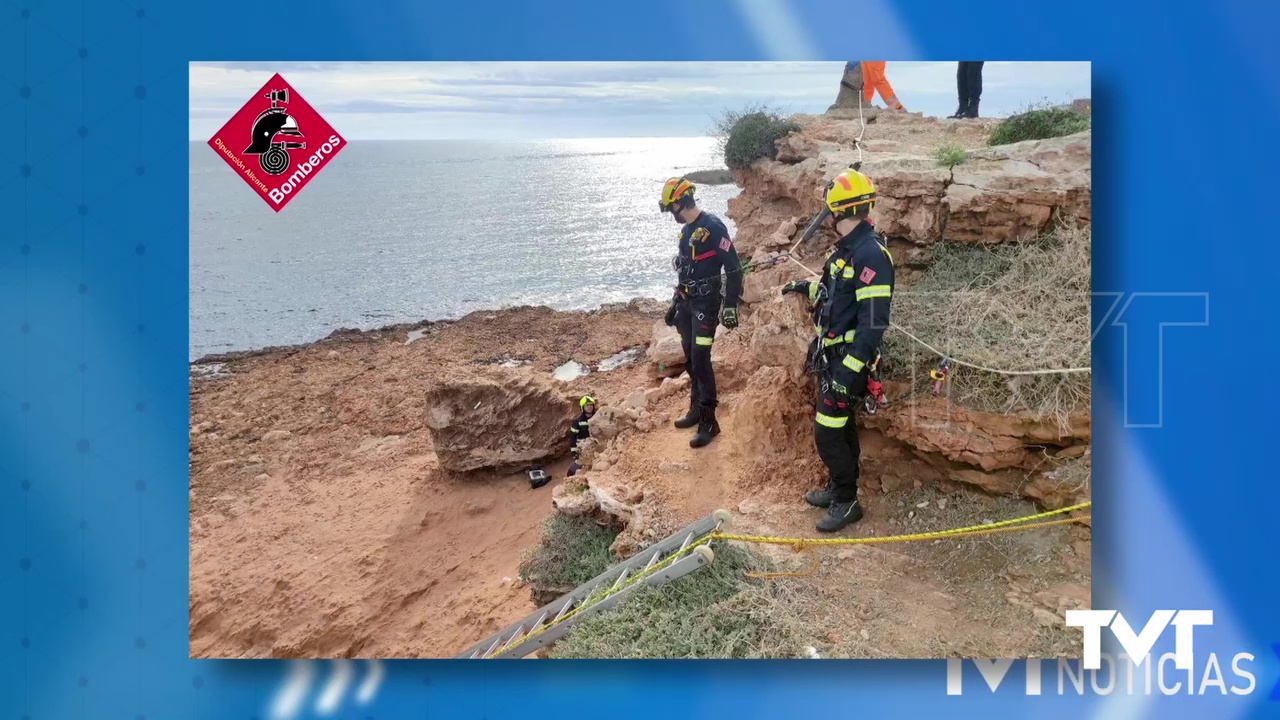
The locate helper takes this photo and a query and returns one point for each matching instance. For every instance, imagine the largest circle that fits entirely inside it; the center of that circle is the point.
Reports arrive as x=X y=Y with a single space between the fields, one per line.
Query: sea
x=402 y=231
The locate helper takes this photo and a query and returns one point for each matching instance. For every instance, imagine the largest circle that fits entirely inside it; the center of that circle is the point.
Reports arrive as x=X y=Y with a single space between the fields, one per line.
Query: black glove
x=671 y=316
x=729 y=318
x=796 y=286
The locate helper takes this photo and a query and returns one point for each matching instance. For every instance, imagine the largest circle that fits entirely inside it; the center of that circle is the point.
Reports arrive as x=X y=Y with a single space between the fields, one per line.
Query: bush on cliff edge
x=749 y=134
x=1038 y=124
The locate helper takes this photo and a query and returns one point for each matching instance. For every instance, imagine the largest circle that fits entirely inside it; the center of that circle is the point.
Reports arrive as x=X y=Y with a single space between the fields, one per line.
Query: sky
x=544 y=100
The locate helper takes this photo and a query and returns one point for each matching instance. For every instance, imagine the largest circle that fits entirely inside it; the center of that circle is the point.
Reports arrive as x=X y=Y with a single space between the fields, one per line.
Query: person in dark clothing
x=850 y=306
x=581 y=428
x=969 y=87
x=705 y=251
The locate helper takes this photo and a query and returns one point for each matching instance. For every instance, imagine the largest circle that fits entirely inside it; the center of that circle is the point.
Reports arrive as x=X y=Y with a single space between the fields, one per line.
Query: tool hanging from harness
x=939 y=375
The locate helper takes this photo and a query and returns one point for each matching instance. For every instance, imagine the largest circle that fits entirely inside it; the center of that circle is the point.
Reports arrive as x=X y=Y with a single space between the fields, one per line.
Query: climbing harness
x=707 y=286
x=686 y=551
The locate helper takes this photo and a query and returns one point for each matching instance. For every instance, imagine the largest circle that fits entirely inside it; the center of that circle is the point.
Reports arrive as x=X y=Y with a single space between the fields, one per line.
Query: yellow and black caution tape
x=806 y=545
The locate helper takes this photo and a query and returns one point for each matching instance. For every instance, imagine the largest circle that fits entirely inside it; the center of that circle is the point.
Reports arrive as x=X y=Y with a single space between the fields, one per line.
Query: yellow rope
x=932 y=535
x=803 y=544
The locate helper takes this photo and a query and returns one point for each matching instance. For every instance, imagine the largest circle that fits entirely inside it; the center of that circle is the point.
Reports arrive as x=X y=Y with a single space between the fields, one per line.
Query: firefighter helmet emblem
x=275 y=133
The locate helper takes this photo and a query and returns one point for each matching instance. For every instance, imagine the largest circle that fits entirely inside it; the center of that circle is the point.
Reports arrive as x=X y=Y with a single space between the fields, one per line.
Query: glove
x=729 y=318
x=671 y=316
x=796 y=286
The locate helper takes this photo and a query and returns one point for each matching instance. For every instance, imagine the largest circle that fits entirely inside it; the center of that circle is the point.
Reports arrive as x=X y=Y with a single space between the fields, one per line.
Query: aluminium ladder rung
x=701 y=557
x=562 y=606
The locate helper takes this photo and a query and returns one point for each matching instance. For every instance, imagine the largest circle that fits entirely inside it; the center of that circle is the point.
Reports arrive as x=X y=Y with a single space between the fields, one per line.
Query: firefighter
x=581 y=428
x=850 y=306
x=969 y=88
x=874 y=80
x=705 y=250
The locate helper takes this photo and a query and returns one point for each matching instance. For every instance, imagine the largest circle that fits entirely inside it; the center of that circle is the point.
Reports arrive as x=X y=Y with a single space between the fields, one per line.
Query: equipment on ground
x=649 y=567
x=538 y=478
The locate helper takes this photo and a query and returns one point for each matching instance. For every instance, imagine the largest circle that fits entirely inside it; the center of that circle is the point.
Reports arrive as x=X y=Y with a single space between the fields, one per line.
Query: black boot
x=820 y=498
x=959 y=113
x=972 y=110
x=690 y=419
x=839 y=516
x=707 y=428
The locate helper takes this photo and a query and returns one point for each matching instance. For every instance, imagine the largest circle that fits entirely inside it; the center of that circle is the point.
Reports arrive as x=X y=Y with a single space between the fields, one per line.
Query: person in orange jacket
x=874 y=80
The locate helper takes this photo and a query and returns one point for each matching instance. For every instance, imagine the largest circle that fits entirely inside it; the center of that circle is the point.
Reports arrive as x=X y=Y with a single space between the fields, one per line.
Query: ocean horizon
x=406 y=231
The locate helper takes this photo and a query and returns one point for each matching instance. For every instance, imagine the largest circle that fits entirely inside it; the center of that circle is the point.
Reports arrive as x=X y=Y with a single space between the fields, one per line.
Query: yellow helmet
x=848 y=190
x=585 y=401
x=673 y=191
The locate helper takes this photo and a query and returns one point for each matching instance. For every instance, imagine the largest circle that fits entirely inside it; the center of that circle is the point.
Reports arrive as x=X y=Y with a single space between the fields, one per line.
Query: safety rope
x=957 y=361
x=857 y=143
x=804 y=544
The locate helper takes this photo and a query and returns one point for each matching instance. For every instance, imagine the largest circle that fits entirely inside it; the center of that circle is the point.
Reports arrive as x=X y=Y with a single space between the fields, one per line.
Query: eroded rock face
x=609 y=500
x=501 y=418
x=998 y=194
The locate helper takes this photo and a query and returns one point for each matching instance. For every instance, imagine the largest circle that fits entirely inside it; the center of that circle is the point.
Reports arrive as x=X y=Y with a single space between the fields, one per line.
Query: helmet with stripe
x=674 y=191
x=849 y=191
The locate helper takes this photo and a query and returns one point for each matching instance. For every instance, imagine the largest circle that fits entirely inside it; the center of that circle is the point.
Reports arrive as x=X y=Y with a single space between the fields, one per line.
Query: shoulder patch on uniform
x=725 y=244
x=867 y=275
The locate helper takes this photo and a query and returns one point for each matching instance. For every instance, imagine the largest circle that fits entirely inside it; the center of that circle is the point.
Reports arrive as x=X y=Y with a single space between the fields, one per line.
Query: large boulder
x=503 y=418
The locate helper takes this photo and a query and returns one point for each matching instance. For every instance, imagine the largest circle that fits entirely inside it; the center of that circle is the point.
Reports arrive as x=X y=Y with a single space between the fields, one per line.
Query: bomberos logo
x=285 y=142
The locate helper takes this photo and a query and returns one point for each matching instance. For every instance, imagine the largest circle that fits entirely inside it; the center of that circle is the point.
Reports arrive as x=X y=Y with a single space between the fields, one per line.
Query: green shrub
x=572 y=551
x=715 y=612
x=749 y=134
x=948 y=156
x=1038 y=124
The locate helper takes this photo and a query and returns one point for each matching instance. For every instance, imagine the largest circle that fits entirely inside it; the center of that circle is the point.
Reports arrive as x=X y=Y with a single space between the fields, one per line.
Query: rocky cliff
x=363 y=496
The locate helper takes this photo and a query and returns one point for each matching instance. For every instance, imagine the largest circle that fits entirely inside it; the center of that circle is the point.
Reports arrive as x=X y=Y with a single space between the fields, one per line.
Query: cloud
x=522 y=100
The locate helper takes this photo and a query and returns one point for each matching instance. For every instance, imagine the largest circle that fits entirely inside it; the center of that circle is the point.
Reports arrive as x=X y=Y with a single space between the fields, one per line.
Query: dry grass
x=872 y=603
x=1023 y=306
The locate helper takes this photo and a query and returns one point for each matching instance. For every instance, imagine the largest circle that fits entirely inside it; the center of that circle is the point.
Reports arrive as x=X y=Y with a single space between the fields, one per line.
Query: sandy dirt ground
x=321 y=525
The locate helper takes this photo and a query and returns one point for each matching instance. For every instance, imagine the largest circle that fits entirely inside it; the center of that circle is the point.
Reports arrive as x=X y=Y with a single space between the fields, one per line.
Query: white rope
x=939 y=353
x=857 y=143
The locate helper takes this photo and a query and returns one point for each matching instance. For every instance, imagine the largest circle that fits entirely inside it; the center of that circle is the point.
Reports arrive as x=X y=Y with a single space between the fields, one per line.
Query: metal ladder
x=548 y=623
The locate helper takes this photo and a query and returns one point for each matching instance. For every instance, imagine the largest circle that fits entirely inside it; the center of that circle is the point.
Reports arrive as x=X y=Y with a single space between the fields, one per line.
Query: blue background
x=93 y=340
